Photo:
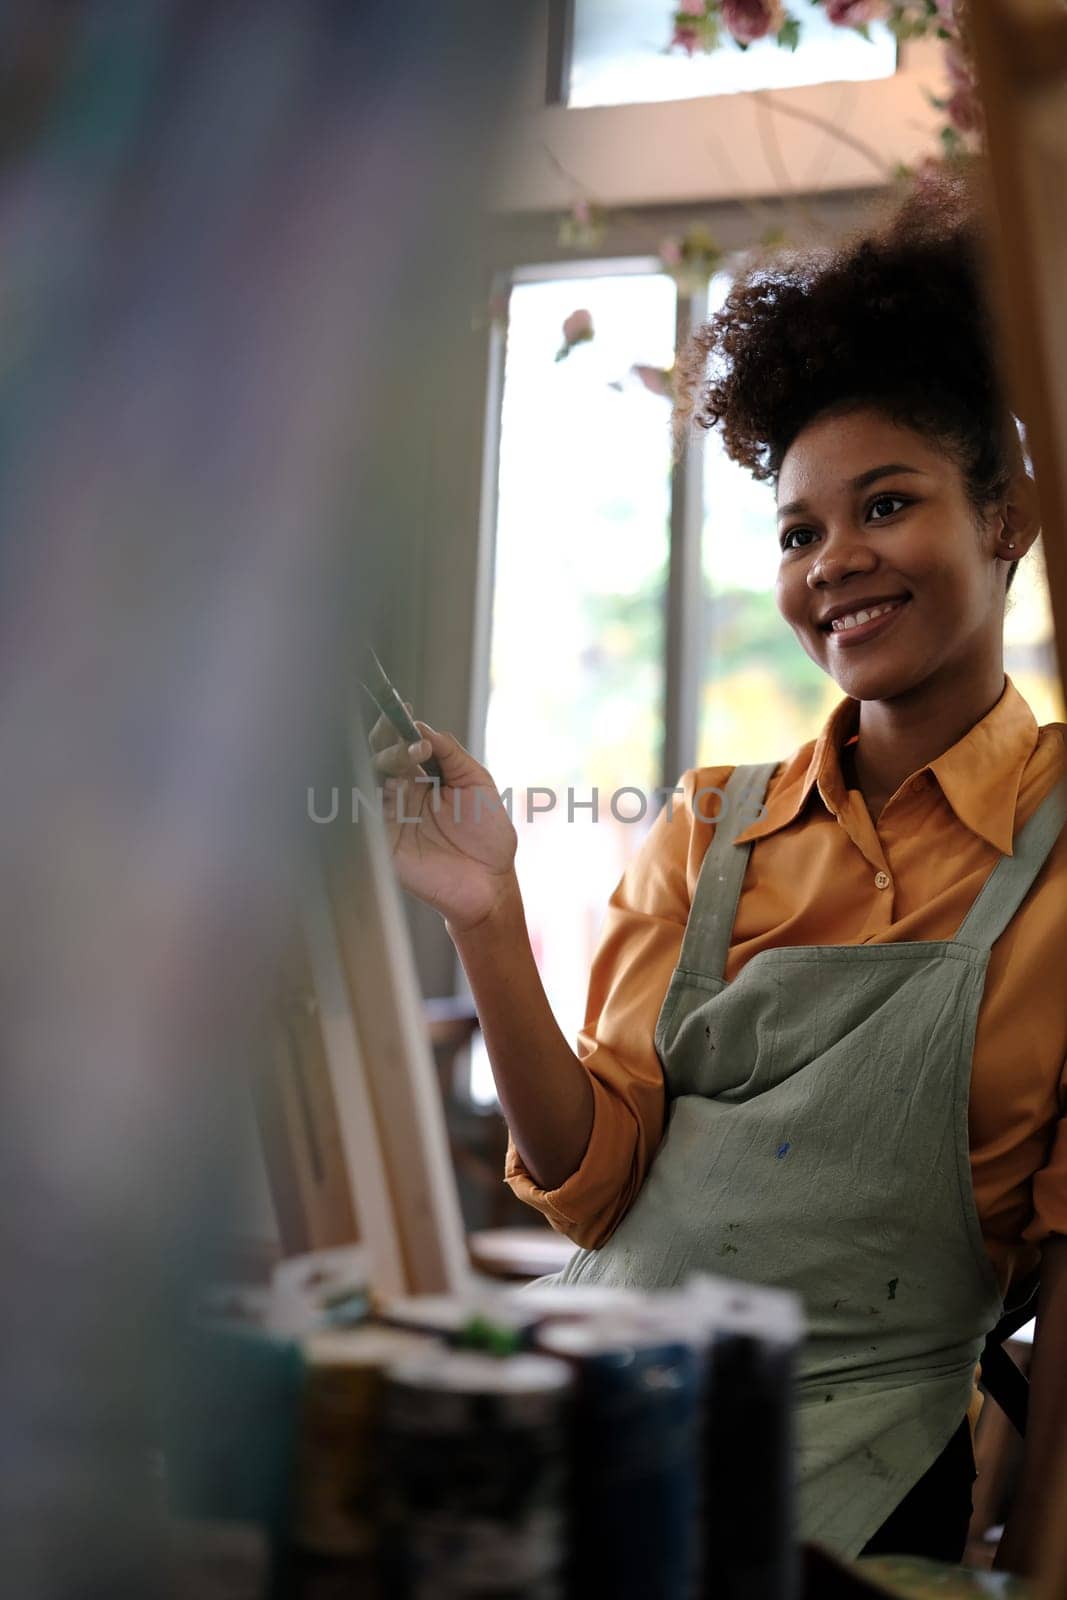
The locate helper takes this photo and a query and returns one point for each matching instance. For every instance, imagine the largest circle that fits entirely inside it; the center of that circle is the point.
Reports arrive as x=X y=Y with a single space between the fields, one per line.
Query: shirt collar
x=979 y=775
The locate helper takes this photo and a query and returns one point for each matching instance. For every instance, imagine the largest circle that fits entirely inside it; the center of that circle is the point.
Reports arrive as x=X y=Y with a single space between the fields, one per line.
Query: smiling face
x=874 y=519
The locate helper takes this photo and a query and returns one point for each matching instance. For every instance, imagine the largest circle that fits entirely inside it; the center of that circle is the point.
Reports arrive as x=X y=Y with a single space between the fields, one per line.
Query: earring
x=1011 y=544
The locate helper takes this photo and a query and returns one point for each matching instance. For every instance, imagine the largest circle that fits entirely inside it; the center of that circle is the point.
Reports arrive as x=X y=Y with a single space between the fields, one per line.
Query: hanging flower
x=927 y=174
x=692 y=259
x=963 y=107
x=657 y=380
x=577 y=329
x=749 y=20
x=854 y=13
x=696 y=27
x=687 y=37
x=583 y=227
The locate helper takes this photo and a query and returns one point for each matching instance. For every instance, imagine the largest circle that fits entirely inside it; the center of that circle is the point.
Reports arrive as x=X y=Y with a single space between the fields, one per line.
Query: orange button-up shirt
x=822 y=872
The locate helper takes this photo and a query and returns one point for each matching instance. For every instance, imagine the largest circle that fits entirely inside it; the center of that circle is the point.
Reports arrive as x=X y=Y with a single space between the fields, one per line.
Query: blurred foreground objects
x=216 y=222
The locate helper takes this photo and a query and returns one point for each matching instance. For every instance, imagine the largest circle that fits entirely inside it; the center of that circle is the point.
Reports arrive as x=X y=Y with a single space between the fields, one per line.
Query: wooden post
x=1021 y=50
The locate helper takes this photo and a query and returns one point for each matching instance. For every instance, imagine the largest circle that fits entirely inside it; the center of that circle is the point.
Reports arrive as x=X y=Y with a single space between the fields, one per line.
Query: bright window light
x=620 y=56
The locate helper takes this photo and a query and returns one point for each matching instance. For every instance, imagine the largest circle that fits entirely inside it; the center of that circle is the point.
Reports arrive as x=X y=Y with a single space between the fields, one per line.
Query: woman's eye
x=878 y=509
x=889 y=503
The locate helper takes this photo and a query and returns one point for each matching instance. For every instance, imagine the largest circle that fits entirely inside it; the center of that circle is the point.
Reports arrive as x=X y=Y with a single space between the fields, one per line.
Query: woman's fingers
x=400 y=760
x=457 y=764
x=393 y=758
x=383 y=734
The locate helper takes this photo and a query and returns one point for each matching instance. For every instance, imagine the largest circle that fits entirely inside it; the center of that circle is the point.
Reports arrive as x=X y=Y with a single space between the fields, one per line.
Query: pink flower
x=658 y=380
x=578 y=326
x=959 y=69
x=670 y=252
x=946 y=15
x=748 y=20
x=580 y=212
x=963 y=108
x=686 y=37
x=577 y=329
x=692 y=8
x=928 y=175
x=854 y=13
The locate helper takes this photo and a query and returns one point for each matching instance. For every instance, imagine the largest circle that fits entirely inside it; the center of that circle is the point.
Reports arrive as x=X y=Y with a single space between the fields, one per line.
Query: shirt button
x=881 y=880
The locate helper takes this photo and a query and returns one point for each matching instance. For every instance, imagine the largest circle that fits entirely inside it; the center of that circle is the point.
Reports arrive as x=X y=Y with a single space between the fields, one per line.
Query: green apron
x=817 y=1140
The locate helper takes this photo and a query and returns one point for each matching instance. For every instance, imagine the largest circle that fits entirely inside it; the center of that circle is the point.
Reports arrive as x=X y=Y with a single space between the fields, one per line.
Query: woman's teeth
x=855 y=618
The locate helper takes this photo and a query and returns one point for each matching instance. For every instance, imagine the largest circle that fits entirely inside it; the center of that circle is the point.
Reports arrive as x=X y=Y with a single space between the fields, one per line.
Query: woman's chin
x=874 y=680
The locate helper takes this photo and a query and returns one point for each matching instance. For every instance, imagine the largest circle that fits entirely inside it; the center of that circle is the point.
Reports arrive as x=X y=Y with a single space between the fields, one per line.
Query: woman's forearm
x=544 y=1090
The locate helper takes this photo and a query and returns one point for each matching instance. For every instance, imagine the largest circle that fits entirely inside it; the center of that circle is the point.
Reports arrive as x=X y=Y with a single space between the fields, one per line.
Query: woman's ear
x=1016 y=518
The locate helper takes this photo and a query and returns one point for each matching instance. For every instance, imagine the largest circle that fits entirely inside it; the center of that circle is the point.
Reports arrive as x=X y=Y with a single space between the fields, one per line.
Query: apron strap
x=1010 y=880
x=706 y=942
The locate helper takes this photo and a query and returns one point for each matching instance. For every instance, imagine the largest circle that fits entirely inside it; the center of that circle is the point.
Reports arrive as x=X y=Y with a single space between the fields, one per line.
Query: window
x=1030 y=640
x=577 y=643
x=619 y=56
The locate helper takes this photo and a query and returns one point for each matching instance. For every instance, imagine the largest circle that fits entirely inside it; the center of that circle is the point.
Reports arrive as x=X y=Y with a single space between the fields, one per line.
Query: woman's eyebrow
x=861 y=481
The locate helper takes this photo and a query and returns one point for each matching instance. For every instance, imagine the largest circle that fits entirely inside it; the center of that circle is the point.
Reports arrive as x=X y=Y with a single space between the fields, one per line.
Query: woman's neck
x=897 y=737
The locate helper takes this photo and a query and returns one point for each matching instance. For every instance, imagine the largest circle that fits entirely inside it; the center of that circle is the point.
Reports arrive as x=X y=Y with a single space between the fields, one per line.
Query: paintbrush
x=393 y=709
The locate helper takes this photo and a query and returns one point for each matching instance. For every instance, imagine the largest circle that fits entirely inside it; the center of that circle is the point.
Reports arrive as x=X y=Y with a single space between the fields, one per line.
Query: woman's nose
x=842 y=552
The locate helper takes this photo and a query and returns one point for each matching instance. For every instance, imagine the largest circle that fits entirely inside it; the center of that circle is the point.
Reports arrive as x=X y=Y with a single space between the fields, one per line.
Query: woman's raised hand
x=458 y=853
x=452 y=839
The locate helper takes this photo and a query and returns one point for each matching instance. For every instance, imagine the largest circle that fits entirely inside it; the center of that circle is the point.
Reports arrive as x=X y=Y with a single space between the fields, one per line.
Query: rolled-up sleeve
x=635 y=957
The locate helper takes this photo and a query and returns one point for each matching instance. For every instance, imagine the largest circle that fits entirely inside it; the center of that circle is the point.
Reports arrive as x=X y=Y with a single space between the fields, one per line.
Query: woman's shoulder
x=698 y=783
x=717 y=777
x=703 y=794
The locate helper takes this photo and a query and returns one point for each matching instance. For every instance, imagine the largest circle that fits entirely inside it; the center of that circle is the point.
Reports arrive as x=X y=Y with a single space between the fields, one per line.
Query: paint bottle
x=634 y=1450
x=337 y=1512
x=749 y=1540
x=475 y=1470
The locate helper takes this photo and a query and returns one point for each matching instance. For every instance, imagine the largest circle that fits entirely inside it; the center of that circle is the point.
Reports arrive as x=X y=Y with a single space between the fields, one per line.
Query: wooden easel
x=350 y=1109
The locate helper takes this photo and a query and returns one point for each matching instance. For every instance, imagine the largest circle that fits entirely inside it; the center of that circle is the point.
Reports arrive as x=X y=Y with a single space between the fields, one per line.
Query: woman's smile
x=865 y=622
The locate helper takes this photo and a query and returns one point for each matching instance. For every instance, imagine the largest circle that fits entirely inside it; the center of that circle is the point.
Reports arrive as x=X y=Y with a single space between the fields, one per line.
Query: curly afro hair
x=895 y=318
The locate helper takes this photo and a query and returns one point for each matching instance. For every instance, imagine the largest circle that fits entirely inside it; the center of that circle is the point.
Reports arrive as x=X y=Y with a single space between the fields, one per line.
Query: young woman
x=825 y=1049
